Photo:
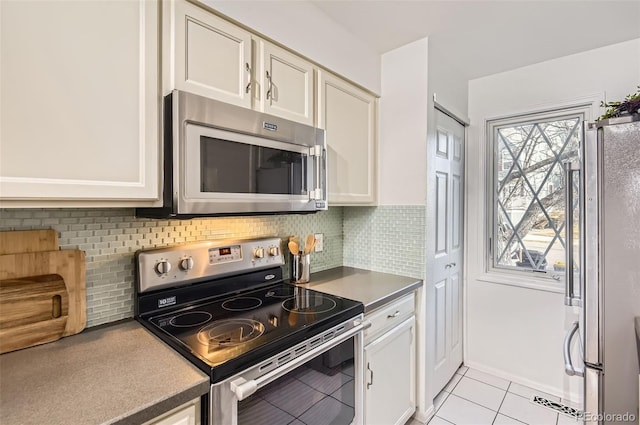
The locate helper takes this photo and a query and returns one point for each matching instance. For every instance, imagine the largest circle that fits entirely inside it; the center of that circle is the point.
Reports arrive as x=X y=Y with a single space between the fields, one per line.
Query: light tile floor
x=477 y=398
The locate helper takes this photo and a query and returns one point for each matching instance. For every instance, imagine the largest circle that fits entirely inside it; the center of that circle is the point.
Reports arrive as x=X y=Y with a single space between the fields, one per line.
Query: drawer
x=388 y=316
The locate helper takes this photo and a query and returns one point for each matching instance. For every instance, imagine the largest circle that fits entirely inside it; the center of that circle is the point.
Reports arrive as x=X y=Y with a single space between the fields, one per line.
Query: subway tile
x=110 y=237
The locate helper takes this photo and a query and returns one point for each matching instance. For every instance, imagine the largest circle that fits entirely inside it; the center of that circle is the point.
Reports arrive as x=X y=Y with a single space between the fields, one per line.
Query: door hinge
x=315 y=150
x=316 y=194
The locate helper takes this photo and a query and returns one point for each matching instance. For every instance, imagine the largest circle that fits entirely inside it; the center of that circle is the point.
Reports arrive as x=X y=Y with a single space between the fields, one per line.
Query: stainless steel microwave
x=221 y=159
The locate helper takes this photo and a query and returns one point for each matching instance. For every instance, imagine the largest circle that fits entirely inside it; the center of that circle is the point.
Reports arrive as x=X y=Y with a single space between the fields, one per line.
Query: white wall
x=402 y=146
x=306 y=29
x=447 y=82
x=514 y=331
x=411 y=74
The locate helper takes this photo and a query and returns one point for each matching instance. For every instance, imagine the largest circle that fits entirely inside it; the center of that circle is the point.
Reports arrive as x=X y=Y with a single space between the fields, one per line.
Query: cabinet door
x=212 y=56
x=390 y=376
x=287 y=84
x=80 y=105
x=347 y=113
x=187 y=414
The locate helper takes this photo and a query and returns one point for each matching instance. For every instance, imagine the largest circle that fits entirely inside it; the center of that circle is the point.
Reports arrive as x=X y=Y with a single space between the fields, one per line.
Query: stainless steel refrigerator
x=603 y=269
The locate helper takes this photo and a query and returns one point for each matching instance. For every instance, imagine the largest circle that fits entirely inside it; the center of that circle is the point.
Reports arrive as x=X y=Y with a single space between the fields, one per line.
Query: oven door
x=226 y=171
x=319 y=381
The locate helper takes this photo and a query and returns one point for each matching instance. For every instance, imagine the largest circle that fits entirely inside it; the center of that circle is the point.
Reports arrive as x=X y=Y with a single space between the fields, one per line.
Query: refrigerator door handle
x=569 y=298
x=568 y=364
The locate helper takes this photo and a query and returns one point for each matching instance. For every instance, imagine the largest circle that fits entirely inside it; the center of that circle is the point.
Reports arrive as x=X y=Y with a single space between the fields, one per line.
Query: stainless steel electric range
x=276 y=353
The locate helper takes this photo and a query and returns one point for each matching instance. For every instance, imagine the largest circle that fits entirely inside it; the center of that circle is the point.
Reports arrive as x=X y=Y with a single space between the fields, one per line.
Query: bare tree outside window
x=528 y=191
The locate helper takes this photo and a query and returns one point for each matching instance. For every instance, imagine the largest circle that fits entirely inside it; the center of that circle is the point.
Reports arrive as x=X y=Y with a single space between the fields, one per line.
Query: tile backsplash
x=389 y=239
x=110 y=237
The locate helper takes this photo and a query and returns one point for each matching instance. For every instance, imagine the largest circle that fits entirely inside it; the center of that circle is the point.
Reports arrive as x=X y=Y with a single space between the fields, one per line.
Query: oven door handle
x=243 y=388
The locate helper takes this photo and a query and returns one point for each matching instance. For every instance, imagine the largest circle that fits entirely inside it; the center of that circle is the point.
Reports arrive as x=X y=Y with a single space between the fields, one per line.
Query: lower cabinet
x=389 y=359
x=187 y=414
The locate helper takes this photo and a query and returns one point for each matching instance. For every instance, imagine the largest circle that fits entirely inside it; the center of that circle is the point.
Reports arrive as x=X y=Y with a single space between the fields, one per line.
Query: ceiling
x=486 y=37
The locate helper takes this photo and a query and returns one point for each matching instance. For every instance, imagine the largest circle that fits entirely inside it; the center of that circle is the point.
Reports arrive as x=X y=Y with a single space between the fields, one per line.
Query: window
x=528 y=189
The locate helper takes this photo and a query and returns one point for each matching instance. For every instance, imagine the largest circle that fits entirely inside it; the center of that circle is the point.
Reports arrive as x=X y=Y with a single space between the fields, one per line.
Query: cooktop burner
x=313 y=304
x=226 y=333
x=190 y=318
x=242 y=304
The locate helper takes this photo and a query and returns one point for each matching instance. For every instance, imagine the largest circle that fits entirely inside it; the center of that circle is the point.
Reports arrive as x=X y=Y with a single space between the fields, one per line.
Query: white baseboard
x=523 y=381
x=425 y=416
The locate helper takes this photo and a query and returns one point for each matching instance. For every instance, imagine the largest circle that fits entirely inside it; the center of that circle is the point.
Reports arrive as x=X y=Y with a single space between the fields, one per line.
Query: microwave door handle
x=318 y=153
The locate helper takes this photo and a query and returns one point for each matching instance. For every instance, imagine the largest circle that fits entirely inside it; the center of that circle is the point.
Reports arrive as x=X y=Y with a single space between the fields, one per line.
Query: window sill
x=532 y=282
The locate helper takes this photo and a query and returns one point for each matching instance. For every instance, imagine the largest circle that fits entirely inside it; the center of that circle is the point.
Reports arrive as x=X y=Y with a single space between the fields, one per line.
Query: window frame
x=536 y=279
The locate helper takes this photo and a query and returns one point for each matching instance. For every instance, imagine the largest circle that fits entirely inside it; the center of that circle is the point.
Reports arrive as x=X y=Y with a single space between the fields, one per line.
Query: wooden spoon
x=309 y=243
x=293 y=247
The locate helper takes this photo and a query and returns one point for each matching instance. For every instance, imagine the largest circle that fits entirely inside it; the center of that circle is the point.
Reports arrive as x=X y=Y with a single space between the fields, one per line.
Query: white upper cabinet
x=210 y=56
x=80 y=108
x=287 y=84
x=348 y=114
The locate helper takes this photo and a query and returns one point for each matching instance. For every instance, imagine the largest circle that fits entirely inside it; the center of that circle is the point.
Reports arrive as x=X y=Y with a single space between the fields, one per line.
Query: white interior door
x=446 y=273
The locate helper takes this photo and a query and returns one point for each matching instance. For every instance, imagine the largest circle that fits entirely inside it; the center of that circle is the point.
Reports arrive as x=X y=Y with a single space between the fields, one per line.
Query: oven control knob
x=163 y=267
x=274 y=251
x=186 y=263
x=258 y=253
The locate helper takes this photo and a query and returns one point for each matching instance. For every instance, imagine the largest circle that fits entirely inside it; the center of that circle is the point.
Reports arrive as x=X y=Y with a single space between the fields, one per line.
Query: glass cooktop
x=239 y=330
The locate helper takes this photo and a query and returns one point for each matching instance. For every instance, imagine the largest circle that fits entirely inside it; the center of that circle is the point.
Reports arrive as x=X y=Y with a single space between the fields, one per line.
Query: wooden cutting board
x=19 y=241
x=69 y=264
x=33 y=311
